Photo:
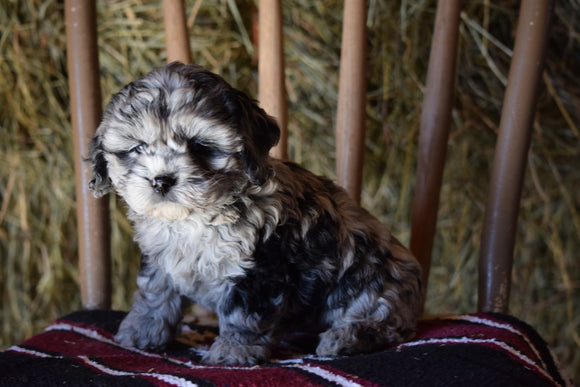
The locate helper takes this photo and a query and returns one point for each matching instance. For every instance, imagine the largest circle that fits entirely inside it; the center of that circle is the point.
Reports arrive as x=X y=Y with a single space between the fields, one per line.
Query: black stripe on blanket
x=475 y=350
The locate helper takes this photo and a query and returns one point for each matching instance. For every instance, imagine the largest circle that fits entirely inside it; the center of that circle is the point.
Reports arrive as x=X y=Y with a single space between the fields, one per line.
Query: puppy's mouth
x=166 y=197
x=156 y=197
x=166 y=208
x=168 y=211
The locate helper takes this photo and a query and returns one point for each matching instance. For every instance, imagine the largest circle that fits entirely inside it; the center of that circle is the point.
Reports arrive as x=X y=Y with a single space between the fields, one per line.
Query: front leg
x=247 y=323
x=156 y=312
x=239 y=343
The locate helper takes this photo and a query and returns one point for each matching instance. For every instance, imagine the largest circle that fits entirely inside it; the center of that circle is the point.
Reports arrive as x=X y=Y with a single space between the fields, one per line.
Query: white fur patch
x=200 y=260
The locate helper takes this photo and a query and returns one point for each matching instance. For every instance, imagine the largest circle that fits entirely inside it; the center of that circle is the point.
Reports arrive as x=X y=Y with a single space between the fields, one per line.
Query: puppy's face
x=181 y=140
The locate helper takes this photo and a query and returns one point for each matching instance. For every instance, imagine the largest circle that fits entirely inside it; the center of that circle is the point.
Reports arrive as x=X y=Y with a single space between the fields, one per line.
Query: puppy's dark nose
x=163 y=183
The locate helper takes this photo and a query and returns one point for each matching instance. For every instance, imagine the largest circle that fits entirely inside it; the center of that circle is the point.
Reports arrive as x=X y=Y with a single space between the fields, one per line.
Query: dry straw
x=39 y=276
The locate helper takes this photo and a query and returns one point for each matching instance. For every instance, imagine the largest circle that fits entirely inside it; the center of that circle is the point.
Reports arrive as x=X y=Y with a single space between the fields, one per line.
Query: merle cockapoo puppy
x=267 y=245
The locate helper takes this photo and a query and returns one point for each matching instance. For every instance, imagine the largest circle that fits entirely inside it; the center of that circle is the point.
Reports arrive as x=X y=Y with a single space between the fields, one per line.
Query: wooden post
x=176 y=35
x=513 y=142
x=85 y=95
x=272 y=89
x=434 y=132
x=350 y=122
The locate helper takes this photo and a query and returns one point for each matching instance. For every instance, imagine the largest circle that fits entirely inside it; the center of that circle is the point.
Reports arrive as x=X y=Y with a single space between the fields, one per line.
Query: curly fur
x=265 y=244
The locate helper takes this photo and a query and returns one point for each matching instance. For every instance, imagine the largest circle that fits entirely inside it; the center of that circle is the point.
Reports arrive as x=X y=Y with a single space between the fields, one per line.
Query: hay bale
x=39 y=276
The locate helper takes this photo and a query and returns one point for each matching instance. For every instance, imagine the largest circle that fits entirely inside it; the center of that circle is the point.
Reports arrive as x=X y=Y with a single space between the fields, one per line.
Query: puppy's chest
x=196 y=256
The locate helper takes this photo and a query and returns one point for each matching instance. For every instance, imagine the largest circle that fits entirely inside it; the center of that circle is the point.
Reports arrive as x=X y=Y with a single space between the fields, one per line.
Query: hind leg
x=364 y=327
x=361 y=337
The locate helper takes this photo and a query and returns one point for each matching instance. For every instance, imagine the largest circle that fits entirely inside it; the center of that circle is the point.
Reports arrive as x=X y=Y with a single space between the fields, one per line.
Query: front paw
x=225 y=351
x=144 y=332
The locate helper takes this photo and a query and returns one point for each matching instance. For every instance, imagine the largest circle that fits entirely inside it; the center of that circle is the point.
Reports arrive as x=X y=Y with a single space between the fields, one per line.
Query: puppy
x=267 y=245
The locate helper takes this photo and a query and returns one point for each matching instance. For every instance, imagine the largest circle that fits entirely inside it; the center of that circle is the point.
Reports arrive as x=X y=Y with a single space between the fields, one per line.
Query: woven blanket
x=475 y=349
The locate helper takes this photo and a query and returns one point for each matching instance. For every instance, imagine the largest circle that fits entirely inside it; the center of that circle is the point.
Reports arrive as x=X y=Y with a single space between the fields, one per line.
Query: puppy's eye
x=139 y=148
x=199 y=149
x=203 y=153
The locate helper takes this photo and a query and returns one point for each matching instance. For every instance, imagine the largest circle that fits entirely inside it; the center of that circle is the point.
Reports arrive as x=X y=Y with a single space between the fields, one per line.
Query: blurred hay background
x=38 y=274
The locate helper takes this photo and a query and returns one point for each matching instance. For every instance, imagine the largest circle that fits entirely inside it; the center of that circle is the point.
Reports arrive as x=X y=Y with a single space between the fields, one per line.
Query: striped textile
x=474 y=350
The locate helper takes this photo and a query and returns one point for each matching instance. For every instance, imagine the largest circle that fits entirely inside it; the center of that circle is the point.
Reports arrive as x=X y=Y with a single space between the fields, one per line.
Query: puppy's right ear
x=100 y=184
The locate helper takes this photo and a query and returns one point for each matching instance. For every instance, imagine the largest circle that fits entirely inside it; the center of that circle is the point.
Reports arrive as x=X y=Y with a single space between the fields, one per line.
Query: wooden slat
x=434 y=132
x=85 y=95
x=272 y=90
x=350 y=125
x=176 y=34
x=499 y=230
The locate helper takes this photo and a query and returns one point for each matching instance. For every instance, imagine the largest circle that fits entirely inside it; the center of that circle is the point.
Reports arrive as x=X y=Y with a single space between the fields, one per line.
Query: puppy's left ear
x=100 y=185
x=262 y=133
